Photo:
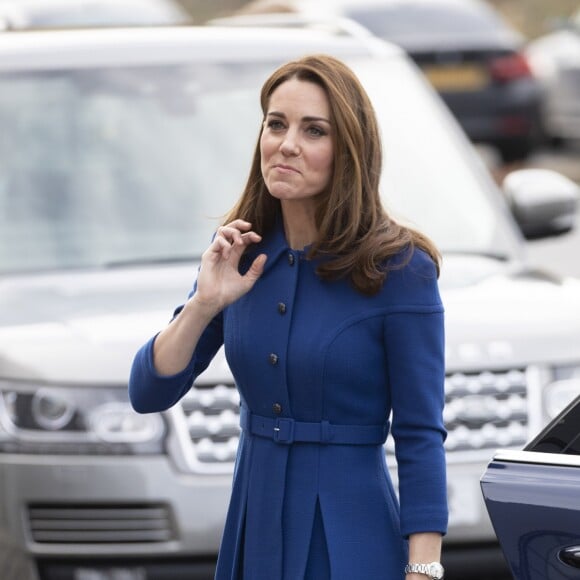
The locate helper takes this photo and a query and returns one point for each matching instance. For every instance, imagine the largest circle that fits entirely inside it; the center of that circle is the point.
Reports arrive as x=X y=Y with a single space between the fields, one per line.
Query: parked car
x=471 y=55
x=555 y=60
x=533 y=498
x=56 y=14
x=119 y=151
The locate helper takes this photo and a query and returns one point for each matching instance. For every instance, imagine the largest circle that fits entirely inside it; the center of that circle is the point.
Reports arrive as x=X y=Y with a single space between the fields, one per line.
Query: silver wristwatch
x=434 y=570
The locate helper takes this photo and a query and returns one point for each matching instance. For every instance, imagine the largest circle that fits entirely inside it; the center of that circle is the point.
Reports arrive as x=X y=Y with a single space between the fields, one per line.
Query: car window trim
x=536 y=457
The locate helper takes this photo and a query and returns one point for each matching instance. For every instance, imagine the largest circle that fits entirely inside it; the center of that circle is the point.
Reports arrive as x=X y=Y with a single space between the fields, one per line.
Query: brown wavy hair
x=355 y=232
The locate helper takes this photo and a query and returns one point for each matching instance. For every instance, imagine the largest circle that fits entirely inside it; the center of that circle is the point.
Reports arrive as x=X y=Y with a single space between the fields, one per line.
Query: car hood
x=505 y=314
x=85 y=328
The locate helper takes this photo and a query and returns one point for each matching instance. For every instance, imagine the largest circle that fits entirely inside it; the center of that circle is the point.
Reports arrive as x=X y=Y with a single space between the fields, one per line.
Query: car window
x=107 y=166
x=418 y=19
x=562 y=434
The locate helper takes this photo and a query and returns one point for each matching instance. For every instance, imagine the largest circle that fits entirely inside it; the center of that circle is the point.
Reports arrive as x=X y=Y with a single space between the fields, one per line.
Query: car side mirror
x=543 y=202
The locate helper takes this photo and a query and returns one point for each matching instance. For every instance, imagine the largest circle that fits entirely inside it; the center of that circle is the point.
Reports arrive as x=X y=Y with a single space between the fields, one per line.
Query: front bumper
x=91 y=509
x=195 y=506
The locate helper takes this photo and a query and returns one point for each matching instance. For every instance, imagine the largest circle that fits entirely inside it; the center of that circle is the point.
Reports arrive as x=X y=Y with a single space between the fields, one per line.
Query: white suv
x=119 y=151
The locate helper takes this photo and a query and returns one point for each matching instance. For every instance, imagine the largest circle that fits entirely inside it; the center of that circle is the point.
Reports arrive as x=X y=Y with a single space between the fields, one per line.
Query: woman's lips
x=286 y=168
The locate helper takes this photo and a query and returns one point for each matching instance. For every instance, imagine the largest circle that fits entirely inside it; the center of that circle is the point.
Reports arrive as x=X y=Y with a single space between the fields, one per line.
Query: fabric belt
x=286 y=430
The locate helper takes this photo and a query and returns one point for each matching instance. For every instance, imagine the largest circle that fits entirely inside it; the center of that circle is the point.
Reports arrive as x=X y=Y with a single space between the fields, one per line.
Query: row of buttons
x=277 y=407
x=282 y=310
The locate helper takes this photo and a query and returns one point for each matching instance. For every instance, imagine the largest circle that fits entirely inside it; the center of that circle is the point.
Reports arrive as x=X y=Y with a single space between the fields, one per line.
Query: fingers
x=251 y=238
x=234 y=235
x=230 y=233
x=254 y=272
x=257 y=268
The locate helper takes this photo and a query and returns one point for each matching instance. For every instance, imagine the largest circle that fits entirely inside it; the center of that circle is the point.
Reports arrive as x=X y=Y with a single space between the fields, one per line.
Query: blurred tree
x=530 y=17
x=202 y=10
x=535 y=17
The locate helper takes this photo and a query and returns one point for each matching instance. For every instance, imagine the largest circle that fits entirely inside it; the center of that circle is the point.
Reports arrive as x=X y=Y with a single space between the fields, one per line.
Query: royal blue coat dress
x=320 y=369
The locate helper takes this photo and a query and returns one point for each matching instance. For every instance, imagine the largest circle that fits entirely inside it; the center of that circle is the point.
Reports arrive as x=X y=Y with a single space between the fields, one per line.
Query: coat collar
x=273 y=244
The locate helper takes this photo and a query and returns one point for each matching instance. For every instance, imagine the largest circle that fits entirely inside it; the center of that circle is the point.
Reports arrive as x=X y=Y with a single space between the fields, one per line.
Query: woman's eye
x=275 y=125
x=316 y=131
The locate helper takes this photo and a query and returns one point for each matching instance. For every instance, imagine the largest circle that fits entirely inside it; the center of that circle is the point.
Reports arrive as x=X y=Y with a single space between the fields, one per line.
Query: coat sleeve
x=150 y=392
x=414 y=342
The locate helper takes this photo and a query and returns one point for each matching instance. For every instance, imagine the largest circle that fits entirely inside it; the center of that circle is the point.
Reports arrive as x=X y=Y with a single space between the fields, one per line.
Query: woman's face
x=296 y=145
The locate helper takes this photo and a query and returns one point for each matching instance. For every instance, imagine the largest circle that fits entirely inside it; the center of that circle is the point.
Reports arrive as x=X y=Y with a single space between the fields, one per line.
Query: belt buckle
x=284 y=430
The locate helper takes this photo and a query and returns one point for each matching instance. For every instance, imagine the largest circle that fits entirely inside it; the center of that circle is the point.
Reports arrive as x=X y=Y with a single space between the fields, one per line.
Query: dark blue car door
x=533 y=499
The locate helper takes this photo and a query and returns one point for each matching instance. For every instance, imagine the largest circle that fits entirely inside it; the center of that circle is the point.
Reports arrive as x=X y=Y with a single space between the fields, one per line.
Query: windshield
x=110 y=166
x=420 y=20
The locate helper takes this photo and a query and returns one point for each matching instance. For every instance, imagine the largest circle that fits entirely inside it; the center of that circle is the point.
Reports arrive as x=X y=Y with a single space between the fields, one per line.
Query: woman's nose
x=289 y=145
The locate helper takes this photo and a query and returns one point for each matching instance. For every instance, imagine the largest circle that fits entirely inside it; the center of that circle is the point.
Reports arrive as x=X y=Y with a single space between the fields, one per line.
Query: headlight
x=562 y=390
x=73 y=420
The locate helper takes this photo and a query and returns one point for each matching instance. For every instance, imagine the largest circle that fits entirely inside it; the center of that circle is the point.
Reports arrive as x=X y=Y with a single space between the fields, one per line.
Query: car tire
x=515 y=150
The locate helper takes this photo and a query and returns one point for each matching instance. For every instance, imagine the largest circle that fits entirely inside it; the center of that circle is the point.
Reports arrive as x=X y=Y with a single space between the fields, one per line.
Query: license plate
x=457 y=78
x=117 y=573
x=464 y=500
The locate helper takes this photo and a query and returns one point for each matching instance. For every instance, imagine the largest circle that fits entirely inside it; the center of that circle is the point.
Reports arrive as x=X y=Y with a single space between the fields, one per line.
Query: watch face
x=436 y=571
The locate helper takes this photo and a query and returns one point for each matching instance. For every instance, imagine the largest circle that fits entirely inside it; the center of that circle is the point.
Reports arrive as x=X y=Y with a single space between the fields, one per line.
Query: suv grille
x=212 y=414
x=483 y=410
x=99 y=524
x=486 y=410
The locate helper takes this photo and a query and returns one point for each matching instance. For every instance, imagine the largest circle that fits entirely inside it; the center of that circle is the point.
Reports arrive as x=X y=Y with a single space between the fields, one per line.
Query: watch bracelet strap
x=433 y=570
x=417 y=569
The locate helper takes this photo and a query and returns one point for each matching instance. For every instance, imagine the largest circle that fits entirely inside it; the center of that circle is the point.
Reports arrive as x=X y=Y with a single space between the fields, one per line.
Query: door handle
x=570 y=556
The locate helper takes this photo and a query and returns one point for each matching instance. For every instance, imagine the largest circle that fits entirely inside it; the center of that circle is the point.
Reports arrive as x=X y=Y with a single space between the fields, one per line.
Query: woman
x=332 y=320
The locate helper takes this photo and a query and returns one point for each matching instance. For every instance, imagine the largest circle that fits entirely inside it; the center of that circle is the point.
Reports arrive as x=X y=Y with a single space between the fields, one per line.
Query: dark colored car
x=467 y=50
x=533 y=499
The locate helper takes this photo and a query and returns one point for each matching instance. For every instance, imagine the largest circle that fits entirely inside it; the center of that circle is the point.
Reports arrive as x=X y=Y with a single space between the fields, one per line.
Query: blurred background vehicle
x=120 y=149
x=55 y=14
x=471 y=55
x=533 y=498
x=555 y=60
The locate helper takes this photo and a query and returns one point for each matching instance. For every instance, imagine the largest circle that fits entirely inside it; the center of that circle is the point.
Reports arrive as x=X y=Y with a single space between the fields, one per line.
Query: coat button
x=281 y=308
x=291 y=258
x=273 y=359
x=277 y=408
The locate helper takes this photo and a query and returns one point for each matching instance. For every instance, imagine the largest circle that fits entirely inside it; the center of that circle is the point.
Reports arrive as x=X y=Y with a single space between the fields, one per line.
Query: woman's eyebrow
x=308 y=118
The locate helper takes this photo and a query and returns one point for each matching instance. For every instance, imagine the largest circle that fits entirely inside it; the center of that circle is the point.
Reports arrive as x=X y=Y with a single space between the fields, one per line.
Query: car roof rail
x=337 y=25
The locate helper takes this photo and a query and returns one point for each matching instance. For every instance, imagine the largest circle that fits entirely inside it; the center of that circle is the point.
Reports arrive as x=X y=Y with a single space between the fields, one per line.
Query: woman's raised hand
x=219 y=282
